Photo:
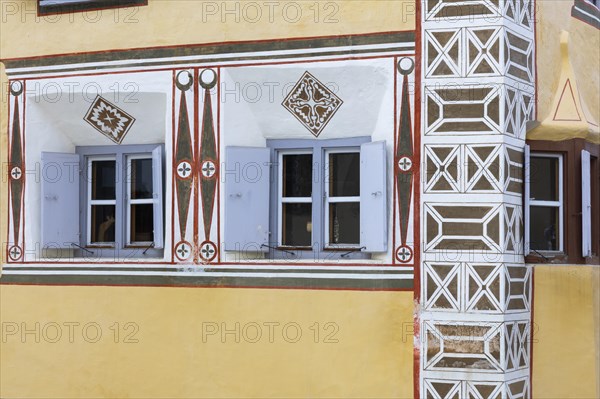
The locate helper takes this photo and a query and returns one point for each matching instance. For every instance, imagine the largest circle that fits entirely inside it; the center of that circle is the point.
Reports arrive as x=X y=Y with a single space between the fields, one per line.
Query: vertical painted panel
x=246 y=177
x=373 y=197
x=157 y=196
x=586 y=205
x=60 y=200
x=526 y=194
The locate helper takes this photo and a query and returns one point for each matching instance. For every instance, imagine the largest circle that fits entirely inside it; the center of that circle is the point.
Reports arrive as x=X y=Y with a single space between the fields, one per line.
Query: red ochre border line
x=232 y=47
x=340 y=283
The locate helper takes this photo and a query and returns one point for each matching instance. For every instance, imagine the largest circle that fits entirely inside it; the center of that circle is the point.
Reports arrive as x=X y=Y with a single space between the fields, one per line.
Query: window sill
x=561 y=259
x=586 y=12
x=83 y=6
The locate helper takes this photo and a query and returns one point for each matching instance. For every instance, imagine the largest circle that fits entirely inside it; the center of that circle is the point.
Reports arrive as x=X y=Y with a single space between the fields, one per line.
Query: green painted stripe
x=215 y=49
x=177 y=281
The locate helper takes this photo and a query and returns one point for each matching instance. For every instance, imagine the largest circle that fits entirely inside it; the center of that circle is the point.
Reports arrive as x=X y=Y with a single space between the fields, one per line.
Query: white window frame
x=329 y=199
x=130 y=201
x=90 y=202
x=289 y=200
x=554 y=204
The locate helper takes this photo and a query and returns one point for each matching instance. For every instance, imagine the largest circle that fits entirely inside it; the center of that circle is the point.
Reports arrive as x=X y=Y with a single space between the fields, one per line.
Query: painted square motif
x=109 y=119
x=312 y=103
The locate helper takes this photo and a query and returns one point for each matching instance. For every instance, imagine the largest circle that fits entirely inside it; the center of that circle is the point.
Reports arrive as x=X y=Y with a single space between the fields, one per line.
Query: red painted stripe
x=417 y=214
x=218 y=176
x=196 y=152
x=395 y=173
x=173 y=169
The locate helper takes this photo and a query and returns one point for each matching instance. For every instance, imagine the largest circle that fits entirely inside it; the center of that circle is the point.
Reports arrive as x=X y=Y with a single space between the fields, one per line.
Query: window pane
x=296 y=229
x=344 y=223
x=544 y=179
x=103 y=180
x=103 y=224
x=141 y=178
x=344 y=174
x=142 y=223
x=297 y=175
x=544 y=228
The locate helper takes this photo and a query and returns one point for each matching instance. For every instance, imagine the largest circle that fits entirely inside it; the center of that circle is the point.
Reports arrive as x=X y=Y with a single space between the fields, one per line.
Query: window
x=562 y=194
x=587 y=11
x=298 y=176
x=546 y=202
x=112 y=207
x=342 y=198
x=46 y=7
x=325 y=198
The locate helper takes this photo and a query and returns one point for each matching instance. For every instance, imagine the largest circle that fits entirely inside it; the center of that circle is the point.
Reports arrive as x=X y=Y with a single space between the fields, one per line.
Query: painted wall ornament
x=406 y=65
x=184 y=80
x=312 y=103
x=16 y=88
x=208 y=78
x=109 y=119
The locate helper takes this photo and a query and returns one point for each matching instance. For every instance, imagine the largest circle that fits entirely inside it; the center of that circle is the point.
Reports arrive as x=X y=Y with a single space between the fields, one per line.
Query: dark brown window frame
x=95 y=5
x=587 y=12
x=571 y=152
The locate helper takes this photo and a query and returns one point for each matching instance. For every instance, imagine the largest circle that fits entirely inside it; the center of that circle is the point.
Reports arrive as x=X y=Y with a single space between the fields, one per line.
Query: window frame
x=288 y=200
x=327 y=198
x=64 y=7
x=318 y=147
x=121 y=248
x=571 y=152
x=587 y=11
x=129 y=201
x=552 y=204
x=89 y=160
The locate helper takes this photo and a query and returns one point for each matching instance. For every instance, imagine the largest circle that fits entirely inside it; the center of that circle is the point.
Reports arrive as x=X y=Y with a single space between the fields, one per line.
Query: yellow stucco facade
x=364 y=351
x=566 y=332
x=552 y=18
x=566 y=329
x=352 y=344
x=174 y=355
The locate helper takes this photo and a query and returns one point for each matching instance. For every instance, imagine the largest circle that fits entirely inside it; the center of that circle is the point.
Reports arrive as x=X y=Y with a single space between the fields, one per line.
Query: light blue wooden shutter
x=246 y=176
x=526 y=195
x=60 y=200
x=157 y=195
x=586 y=204
x=373 y=197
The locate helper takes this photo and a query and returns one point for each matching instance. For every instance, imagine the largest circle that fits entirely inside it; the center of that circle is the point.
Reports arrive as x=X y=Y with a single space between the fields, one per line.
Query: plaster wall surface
x=366 y=350
x=552 y=17
x=566 y=332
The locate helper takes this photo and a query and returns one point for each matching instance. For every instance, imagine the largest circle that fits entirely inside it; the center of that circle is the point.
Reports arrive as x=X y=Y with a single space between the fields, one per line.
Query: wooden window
x=47 y=7
x=546 y=202
x=587 y=11
x=562 y=201
x=105 y=201
x=324 y=196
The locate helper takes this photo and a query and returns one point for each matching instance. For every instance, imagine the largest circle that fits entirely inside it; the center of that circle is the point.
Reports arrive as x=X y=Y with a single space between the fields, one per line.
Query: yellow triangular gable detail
x=566 y=109
x=569 y=117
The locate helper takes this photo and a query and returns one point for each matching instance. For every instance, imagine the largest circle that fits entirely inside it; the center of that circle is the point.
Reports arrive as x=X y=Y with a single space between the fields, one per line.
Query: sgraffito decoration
x=108 y=119
x=208 y=164
x=473 y=168
x=312 y=103
x=184 y=167
x=16 y=177
x=404 y=162
x=478 y=95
